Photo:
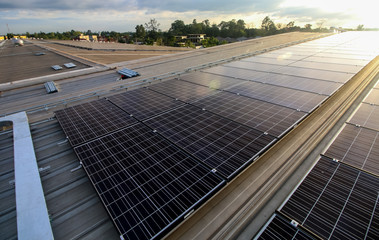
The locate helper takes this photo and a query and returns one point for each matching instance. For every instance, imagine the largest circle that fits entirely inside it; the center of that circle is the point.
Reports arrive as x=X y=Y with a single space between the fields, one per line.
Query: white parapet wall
x=32 y=216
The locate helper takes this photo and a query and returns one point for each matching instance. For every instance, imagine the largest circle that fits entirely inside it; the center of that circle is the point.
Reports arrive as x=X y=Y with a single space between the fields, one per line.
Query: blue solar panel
x=222 y=144
x=88 y=121
x=147 y=185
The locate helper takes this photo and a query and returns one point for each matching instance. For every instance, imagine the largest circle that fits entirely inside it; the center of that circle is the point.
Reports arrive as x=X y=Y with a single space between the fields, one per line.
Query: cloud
x=210 y=5
x=124 y=15
x=149 y=5
x=68 y=4
x=314 y=13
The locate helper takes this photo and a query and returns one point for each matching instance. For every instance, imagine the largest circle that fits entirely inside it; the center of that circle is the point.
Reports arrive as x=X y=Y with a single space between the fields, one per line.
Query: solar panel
x=264 y=116
x=87 y=121
x=336 y=201
x=307 y=50
x=335 y=67
x=236 y=72
x=253 y=66
x=286 y=51
x=302 y=83
x=330 y=58
x=210 y=80
x=147 y=185
x=222 y=144
x=315 y=73
x=358 y=147
x=373 y=97
x=276 y=61
x=281 y=228
x=367 y=116
x=286 y=55
x=182 y=90
x=333 y=55
x=143 y=103
x=303 y=101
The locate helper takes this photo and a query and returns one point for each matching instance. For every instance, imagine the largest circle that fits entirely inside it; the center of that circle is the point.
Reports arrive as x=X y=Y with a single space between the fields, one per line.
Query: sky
x=22 y=16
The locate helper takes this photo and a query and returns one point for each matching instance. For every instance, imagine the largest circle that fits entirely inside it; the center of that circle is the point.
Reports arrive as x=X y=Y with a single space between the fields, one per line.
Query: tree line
x=150 y=32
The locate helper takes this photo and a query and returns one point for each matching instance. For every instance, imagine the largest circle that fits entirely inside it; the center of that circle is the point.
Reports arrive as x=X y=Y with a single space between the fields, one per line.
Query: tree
x=212 y=31
x=207 y=23
x=308 y=26
x=10 y=35
x=178 y=28
x=360 y=27
x=140 y=33
x=268 y=25
x=210 y=42
x=291 y=24
x=152 y=25
x=232 y=28
x=196 y=28
x=153 y=29
x=320 y=23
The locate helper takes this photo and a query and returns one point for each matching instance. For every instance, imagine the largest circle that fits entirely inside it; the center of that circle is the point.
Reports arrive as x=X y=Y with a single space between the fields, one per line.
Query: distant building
x=194 y=38
x=89 y=38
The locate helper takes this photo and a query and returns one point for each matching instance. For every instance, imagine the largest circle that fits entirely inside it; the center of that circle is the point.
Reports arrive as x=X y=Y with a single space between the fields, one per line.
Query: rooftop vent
x=127 y=73
x=56 y=67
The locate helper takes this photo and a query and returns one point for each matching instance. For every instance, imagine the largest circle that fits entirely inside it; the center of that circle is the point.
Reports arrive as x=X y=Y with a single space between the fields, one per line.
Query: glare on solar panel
x=333 y=198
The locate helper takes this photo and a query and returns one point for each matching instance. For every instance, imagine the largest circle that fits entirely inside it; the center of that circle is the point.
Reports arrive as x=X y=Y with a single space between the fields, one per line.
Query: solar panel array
x=220 y=143
x=91 y=120
x=154 y=154
x=146 y=183
x=339 y=197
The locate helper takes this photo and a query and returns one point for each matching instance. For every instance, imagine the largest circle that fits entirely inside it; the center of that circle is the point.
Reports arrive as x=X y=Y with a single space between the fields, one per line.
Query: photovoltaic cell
x=373 y=97
x=146 y=184
x=347 y=52
x=182 y=90
x=253 y=66
x=143 y=103
x=236 y=72
x=288 y=51
x=285 y=55
x=367 y=116
x=281 y=228
x=334 y=59
x=315 y=73
x=361 y=58
x=303 y=101
x=335 y=67
x=264 y=60
x=222 y=144
x=87 y=121
x=358 y=147
x=210 y=80
x=302 y=83
x=264 y=116
x=307 y=50
x=336 y=201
